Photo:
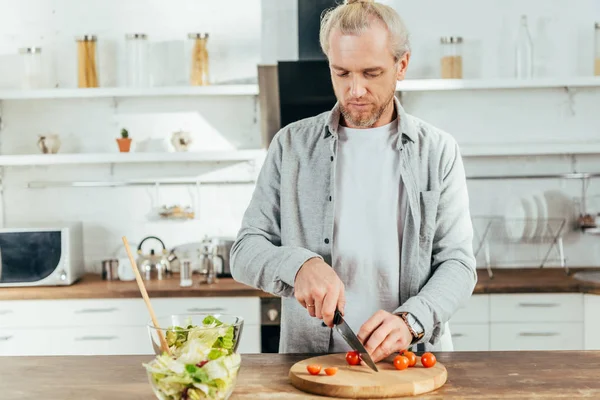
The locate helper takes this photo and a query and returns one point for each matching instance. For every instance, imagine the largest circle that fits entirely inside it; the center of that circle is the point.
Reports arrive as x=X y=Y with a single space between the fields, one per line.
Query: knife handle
x=337 y=318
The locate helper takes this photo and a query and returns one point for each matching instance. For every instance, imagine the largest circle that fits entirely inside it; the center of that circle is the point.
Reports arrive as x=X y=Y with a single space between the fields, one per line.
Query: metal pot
x=153 y=265
x=220 y=248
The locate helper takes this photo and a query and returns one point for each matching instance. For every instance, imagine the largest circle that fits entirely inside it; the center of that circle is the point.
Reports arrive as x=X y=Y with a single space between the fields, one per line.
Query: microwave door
x=29 y=256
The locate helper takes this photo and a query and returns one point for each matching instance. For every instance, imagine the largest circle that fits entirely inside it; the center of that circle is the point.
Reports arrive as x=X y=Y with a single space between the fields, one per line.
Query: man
x=364 y=208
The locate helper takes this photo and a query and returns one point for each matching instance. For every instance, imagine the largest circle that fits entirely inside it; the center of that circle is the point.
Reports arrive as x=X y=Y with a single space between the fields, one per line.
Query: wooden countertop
x=471 y=375
x=530 y=280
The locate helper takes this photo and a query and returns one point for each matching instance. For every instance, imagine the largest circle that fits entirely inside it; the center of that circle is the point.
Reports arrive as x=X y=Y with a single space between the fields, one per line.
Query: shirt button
x=329 y=198
x=331 y=158
x=326 y=241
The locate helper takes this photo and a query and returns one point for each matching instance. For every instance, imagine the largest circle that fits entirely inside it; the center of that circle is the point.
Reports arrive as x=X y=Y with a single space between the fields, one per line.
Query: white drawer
x=477 y=310
x=251 y=340
x=536 y=307
x=592 y=322
x=75 y=341
x=537 y=336
x=470 y=337
x=246 y=307
x=65 y=313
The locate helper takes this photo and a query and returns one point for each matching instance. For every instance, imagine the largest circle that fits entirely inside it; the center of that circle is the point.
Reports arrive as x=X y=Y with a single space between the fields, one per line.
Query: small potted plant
x=124 y=141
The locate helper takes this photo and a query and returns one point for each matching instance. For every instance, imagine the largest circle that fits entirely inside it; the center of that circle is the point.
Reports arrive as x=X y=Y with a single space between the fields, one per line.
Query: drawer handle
x=539 y=334
x=458 y=335
x=539 y=305
x=5 y=338
x=205 y=310
x=94 y=338
x=96 y=310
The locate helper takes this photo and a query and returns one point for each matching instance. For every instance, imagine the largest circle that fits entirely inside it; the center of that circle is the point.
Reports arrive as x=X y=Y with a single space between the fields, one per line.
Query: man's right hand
x=319 y=290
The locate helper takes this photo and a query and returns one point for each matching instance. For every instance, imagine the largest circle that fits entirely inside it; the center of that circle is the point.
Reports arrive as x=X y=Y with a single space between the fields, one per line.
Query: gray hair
x=355 y=16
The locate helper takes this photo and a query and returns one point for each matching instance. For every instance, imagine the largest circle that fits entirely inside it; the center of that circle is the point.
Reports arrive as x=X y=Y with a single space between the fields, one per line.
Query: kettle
x=153 y=266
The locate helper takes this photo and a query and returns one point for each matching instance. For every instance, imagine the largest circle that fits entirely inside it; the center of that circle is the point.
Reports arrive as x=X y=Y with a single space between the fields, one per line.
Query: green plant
x=124 y=133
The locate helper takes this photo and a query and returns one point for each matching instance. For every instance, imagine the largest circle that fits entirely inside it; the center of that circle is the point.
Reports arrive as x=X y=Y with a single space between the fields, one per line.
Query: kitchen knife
x=350 y=337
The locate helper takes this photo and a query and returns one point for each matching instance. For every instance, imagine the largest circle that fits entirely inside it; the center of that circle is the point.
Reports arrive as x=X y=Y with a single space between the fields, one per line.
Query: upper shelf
x=410 y=85
x=415 y=85
x=119 y=158
x=77 y=93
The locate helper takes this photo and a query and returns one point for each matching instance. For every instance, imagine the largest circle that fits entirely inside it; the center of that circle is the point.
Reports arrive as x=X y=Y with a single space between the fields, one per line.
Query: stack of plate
x=526 y=217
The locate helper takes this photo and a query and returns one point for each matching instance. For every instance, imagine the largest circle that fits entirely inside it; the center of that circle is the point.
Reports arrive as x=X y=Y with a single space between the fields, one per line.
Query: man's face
x=364 y=74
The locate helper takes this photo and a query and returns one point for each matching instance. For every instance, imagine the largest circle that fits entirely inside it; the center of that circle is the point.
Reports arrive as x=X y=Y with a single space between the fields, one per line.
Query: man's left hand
x=385 y=333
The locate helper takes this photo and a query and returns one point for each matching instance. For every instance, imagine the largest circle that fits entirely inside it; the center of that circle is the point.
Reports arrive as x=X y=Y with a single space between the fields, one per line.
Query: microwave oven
x=40 y=255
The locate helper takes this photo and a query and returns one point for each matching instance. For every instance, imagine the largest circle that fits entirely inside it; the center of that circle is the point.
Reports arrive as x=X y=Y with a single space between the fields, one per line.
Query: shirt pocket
x=428 y=205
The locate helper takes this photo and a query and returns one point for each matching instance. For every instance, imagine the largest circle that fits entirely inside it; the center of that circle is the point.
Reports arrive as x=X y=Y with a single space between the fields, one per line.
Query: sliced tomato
x=331 y=371
x=313 y=369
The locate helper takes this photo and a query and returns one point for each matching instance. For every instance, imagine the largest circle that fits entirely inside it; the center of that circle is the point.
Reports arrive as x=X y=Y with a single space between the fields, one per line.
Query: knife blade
x=350 y=337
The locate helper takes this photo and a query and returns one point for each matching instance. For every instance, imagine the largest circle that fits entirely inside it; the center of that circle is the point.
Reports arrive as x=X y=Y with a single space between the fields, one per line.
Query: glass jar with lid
x=137 y=60
x=199 y=71
x=32 y=73
x=597 y=49
x=451 y=59
x=87 y=61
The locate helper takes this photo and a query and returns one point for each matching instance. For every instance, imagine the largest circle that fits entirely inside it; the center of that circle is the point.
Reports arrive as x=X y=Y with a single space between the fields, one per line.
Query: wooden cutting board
x=361 y=382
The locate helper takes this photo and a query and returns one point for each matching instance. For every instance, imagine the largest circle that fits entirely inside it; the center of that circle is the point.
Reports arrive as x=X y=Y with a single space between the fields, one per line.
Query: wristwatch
x=414 y=326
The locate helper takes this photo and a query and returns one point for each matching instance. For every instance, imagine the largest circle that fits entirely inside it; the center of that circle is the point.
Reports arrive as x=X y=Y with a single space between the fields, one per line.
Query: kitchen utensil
x=542 y=209
x=531 y=216
x=350 y=337
x=153 y=266
x=110 y=270
x=358 y=382
x=185 y=274
x=163 y=342
x=220 y=248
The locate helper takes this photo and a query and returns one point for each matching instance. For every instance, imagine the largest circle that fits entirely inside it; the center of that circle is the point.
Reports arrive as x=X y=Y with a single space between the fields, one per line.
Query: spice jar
x=451 y=61
x=138 y=71
x=31 y=67
x=87 y=61
x=199 y=75
x=597 y=50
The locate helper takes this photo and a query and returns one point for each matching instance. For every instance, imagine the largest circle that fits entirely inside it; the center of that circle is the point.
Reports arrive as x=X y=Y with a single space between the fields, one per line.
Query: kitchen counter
x=530 y=280
x=471 y=375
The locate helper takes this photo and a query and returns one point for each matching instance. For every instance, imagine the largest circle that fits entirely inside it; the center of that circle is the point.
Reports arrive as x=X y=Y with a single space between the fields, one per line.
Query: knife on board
x=350 y=337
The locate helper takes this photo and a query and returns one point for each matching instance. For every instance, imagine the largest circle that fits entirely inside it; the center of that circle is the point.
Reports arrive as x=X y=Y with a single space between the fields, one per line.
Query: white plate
x=542 y=208
x=531 y=216
x=514 y=218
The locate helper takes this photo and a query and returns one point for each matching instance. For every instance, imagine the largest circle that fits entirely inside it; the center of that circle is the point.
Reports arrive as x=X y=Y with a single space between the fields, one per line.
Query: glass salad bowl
x=202 y=363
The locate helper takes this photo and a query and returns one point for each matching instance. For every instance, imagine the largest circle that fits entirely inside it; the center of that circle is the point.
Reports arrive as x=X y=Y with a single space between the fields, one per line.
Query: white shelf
x=123 y=158
x=416 y=85
x=528 y=149
x=76 y=93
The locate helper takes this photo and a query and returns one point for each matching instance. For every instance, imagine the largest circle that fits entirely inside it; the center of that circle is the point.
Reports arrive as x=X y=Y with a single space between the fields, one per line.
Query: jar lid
x=198 y=35
x=30 y=50
x=87 y=38
x=136 y=36
x=451 y=39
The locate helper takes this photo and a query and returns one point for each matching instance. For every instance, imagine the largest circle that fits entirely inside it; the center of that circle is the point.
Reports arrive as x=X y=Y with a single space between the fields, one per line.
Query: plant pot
x=124 y=144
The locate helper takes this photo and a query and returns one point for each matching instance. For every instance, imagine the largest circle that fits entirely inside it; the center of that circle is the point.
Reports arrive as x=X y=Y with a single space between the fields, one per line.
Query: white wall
x=244 y=33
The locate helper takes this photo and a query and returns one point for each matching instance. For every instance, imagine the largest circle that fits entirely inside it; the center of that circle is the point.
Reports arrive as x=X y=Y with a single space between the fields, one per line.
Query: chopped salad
x=202 y=364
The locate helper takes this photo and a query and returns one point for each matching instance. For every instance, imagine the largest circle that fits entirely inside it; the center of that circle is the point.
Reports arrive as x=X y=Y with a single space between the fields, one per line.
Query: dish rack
x=495 y=246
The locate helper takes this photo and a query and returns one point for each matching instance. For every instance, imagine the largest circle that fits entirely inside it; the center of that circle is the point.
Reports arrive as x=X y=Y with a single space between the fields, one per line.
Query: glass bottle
x=31 y=67
x=524 y=52
x=597 y=49
x=87 y=61
x=451 y=62
x=199 y=71
x=137 y=68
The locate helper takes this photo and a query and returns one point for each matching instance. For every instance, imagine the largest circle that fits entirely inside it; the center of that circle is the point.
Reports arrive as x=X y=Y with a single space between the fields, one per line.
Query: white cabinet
x=592 y=322
x=108 y=326
x=541 y=307
x=469 y=326
x=537 y=336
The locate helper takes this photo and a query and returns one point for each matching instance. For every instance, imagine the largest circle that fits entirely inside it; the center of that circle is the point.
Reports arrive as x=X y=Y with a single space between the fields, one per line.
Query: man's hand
x=385 y=333
x=319 y=290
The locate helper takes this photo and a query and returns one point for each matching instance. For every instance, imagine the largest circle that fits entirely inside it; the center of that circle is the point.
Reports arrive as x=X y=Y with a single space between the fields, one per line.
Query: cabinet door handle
x=539 y=334
x=205 y=310
x=5 y=338
x=458 y=335
x=95 y=338
x=4 y=312
x=96 y=310
x=539 y=305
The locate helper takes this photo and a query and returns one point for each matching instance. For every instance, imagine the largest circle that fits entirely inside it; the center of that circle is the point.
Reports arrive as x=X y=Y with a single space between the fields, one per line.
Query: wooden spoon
x=140 y=282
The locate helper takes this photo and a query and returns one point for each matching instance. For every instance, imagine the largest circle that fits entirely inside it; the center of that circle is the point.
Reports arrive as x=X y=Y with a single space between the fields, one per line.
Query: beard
x=366 y=119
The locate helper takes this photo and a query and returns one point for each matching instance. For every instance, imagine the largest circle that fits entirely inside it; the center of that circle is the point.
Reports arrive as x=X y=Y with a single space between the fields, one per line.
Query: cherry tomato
x=331 y=371
x=401 y=362
x=428 y=360
x=313 y=369
x=353 y=357
x=412 y=358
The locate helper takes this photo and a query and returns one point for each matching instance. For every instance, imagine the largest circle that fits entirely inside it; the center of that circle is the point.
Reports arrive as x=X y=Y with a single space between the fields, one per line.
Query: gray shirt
x=290 y=219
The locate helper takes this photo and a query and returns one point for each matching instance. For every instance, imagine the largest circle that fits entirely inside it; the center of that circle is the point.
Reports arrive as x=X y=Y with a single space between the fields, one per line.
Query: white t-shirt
x=369 y=213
